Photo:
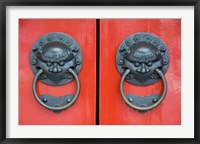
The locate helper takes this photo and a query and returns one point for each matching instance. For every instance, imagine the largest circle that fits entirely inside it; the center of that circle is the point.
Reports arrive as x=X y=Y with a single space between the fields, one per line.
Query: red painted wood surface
x=83 y=111
x=113 y=109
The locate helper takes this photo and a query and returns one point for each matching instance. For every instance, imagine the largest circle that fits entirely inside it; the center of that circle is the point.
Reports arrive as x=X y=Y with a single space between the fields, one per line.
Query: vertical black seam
x=97 y=68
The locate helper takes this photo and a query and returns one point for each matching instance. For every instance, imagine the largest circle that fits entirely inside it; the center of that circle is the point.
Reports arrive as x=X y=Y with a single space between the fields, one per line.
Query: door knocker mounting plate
x=142 y=59
x=142 y=53
x=55 y=53
x=56 y=59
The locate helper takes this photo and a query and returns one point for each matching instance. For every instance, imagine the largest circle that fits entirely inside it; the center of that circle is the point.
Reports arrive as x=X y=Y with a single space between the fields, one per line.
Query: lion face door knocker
x=142 y=59
x=56 y=59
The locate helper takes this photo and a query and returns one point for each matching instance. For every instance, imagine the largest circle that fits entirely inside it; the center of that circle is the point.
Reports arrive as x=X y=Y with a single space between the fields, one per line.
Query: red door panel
x=83 y=110
x=113 y=109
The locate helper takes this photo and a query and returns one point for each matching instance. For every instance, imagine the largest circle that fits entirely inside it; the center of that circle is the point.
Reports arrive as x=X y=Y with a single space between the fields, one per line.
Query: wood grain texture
x=113 y=109
x=83 y=110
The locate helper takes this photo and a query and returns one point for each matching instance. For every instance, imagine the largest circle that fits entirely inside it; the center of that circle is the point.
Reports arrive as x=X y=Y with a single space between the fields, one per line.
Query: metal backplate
x=142 y=53
x=142 y=101
x=53 y=101
x=55 y=53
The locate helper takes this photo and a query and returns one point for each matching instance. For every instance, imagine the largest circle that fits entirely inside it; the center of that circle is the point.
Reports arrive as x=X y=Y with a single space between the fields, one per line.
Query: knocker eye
x=149 y=64
x=62 y=63
x=136 y=64
x=49 y=64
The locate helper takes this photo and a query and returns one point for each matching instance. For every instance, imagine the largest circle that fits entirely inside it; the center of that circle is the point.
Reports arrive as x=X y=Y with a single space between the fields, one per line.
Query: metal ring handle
x=148 y=107
x=56 y=108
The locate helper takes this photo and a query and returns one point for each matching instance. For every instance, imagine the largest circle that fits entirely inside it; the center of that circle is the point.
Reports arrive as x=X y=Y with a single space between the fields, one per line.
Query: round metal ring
x=148 y=107
x=61 y=107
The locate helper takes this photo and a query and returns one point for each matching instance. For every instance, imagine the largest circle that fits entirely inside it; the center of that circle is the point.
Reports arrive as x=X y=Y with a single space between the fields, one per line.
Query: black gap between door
x=97 y=68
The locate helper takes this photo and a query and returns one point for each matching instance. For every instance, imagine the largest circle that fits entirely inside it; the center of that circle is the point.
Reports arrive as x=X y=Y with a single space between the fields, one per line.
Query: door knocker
x=56 y=59
x=142 y=59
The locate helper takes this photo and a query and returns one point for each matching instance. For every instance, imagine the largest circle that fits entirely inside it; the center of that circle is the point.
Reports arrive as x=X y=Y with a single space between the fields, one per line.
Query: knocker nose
x=143 y=69
x=56 y=68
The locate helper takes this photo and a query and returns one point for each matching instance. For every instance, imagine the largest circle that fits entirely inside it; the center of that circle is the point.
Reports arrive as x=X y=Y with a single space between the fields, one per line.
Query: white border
x=186 y=130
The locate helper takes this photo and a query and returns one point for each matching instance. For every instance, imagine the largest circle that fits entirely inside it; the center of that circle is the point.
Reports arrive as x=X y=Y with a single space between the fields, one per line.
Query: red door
x=113 y=109
x=83 y=110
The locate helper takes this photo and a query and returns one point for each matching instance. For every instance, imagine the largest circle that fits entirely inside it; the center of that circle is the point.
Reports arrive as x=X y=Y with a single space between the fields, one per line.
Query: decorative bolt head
x=130 y=99
x=41 y=43
x=128 y=76
x=69 y=42
x=165 y=61
x=155 y=100
x=156 y=42
x=49 y=39
x=61 y=38
x=44 y=100
x=75 y=48
x=120 y=62
x=69 y=76
x=137 y=38
x=147 y=38
x=35 y=48
x=122 y=48
x=44 y=76
x=68 y=100
x=33 y=62
x=78 y=61
x=128 y=42
x=162 y=48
